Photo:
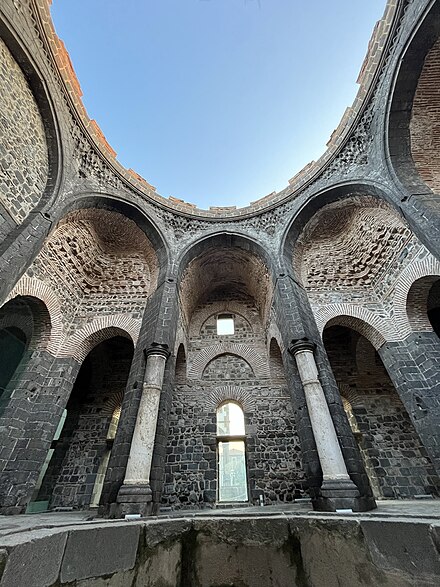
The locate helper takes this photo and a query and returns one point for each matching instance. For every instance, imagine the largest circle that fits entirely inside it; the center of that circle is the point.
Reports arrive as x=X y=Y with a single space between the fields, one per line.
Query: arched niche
x=276 y=365
x=111 y=203
x=29 y=132
x=423 y=304
x=225 y=268
x=349 y=244
x=180 y=369
x=226 y=281
x=394 y=456
x=414 y=109
x=25 y=326
x=315 y=203
x=76 y=470
x=97 y=262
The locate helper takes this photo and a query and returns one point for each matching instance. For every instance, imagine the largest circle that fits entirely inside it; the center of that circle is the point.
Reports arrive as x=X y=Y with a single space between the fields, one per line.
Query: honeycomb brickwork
x=354 y=258
x=97 y=263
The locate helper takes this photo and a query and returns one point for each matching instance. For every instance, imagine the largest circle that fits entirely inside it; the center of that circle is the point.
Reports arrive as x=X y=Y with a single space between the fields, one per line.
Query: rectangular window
x=232 y=471
x=225 y=324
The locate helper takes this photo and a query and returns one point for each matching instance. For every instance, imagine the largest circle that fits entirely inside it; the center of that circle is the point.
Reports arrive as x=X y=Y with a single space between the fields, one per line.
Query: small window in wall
x=225 y=324
x=232 y=478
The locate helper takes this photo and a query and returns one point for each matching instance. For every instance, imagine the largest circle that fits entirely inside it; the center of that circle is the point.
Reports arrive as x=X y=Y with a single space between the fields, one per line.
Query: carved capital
x=301 y=344
x=158 y=349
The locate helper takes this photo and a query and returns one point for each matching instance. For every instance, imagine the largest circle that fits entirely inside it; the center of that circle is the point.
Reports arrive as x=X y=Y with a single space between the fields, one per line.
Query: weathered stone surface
x=116 y=580
x=346 y=243
x=406 y=547
x=250 y=531
x=23 y=149
x=35 y=559
x=165 y=532
x=160 y=567
x=91 y=552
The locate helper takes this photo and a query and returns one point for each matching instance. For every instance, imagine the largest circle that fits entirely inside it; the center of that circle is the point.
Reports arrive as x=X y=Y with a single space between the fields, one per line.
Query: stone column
x=135 y=496
x=337 y=488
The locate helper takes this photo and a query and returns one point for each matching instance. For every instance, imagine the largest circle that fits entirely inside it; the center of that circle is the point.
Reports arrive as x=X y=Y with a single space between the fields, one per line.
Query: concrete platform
x=397 y=545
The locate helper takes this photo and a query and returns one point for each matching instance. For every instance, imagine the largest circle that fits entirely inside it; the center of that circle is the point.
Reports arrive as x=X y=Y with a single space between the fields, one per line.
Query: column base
x=341 y=494
x=134 y=499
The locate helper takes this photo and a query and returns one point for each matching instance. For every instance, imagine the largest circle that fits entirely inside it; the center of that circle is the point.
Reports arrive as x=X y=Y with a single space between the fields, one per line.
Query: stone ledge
x=259 y=549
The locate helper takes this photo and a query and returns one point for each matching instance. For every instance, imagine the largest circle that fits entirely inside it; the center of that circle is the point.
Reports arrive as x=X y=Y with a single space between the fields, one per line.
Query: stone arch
x=276 y=364
x=36 y=172
x=205 y=356
x=112 y=404
x=356 y=192
x=428 y=267
x=115 y=234
x=180 y=340
x=92 y=414
x=380 y=422
x=274 y=332
x=348 y=244
x=413 y=103
x=225 y=260
x=36 y=323
x=35 y=288
x=227 y=307
x=25 y=328
x=417 y=306
x=374 y=328
x=221 y=395
x=97 y=262
x=128 y=209
x=84 y=340
x=230 y=366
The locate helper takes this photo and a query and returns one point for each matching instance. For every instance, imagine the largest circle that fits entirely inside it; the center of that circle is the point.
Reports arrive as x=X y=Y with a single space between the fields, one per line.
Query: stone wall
x=383 y=428
x=262 y=551
x=98 y=390
x=273 y=453
x=23 y=151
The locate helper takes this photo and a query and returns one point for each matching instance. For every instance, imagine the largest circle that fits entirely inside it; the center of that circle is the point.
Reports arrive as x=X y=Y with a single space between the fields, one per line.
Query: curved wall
x=23 y=176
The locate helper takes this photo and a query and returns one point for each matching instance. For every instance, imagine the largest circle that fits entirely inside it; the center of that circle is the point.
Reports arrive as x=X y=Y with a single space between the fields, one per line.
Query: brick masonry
x=425 y=141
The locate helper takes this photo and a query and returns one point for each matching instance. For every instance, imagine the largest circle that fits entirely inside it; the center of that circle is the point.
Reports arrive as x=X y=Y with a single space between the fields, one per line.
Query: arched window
x=232 y=478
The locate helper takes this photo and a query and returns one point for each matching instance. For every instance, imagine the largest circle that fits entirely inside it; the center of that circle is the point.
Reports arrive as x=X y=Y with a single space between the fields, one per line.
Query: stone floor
x=427 y=510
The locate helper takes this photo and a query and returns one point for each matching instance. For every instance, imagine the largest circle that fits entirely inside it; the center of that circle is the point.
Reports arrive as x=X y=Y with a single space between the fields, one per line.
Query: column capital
x=158 y=349
x=301 y=344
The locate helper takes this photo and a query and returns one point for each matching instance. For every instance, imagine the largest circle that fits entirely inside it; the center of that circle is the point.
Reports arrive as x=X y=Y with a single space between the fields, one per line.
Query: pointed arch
x=358 y=318
x=34 y=288
x=205 y=356
x=84 y=340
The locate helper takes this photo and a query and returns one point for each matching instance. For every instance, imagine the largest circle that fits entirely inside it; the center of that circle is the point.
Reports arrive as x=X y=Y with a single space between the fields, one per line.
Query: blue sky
x=217 y=102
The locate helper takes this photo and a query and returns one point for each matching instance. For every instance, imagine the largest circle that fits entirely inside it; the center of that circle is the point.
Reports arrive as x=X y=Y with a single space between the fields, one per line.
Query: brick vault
x=154 y=356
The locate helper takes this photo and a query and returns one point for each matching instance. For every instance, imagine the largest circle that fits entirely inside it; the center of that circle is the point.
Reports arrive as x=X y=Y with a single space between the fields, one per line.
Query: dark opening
x=394 y=457
x=12 y=346
x=87 y=434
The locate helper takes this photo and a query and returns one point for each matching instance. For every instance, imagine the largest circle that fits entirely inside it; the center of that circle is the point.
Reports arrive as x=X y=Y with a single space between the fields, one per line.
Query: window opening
x=232 y=477
x=225 y=324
